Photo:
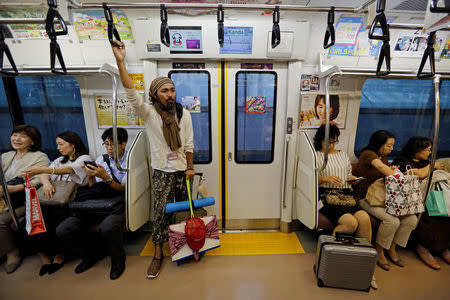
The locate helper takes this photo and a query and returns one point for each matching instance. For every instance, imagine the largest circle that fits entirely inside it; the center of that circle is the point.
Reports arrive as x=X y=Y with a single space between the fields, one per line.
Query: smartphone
x=90 y=162
x=356 y=179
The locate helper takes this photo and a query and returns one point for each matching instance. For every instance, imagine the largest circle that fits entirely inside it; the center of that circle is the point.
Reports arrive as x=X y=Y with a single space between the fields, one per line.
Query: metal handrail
x=88 y=70
x=436 y=81
x=327 y=120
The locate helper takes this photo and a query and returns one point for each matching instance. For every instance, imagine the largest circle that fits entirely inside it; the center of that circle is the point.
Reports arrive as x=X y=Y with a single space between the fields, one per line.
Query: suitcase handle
x=346 y=238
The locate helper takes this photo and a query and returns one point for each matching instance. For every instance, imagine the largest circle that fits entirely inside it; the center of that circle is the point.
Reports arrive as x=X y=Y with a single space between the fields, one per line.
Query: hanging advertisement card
x=312 y=110
x=126 y=115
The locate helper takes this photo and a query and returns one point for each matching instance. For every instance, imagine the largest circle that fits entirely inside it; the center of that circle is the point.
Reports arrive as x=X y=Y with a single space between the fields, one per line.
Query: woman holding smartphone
x=67 y=167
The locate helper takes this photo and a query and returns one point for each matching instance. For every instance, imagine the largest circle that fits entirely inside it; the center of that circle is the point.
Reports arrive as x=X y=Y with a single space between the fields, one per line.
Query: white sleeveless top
x=338 y=165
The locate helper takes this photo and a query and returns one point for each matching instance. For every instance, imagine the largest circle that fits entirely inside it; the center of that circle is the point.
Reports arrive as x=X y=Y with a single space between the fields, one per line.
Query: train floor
x=274 y=276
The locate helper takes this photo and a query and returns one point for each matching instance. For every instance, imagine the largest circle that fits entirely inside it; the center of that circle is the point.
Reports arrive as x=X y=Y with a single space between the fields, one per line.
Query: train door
x=198 y=90
x=238 y=136
x=254 y=143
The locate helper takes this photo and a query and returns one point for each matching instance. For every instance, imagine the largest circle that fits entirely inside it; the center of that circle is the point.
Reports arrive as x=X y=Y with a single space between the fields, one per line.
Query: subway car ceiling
x=268 y=54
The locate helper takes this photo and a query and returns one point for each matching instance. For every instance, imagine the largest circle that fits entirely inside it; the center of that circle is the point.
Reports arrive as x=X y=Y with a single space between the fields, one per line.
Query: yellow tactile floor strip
x=246 y=244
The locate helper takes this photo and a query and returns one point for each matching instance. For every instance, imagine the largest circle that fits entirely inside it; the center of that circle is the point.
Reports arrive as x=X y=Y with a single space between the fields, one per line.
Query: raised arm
x=119 y=54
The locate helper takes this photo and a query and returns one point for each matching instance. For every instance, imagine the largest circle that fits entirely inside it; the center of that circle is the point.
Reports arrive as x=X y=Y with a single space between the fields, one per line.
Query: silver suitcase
x=344 y=262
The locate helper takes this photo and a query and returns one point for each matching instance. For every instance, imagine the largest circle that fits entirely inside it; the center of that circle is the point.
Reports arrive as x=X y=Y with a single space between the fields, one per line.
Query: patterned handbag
x=403 y=194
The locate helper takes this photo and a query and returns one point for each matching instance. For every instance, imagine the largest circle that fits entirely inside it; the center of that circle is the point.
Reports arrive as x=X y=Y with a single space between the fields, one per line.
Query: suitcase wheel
x=320 y=283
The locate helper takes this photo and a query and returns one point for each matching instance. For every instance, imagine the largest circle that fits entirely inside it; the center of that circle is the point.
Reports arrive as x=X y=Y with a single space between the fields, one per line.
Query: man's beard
x=169 y=106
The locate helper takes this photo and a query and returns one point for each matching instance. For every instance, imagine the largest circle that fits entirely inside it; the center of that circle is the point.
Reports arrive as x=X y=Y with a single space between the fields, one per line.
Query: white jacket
x=153 y=125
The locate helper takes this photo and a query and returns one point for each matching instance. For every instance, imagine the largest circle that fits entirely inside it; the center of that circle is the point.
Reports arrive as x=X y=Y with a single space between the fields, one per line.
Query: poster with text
x=255 y=105
x=92 y=25
x=312 y=110
x=409 y=43
x=237 y=40
x=126 y=114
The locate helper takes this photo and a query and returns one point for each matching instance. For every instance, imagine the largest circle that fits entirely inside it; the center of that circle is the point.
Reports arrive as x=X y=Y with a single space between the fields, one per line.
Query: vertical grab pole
x=327 y=122
x=7 y=196
x=114 y=120
x=436 y=81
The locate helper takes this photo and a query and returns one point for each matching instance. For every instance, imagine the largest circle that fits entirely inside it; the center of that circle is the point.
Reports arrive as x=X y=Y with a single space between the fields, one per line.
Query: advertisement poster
x=92 y=25
x=408 y=43
x=237 y=40
x=309 y=83
x=445 y=52
x=28 y=31
x=312 y=110
x=255 y=105
x=191 y=103
x=352 y=39
x=126 y=115
x=138 y=80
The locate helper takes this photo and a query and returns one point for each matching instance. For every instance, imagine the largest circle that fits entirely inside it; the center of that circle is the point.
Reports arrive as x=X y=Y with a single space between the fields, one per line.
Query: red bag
x=35 y=220
x=195 y=229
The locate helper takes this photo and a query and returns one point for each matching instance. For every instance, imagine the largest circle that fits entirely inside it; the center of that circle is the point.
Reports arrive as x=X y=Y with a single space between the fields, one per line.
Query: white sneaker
x=373 y=283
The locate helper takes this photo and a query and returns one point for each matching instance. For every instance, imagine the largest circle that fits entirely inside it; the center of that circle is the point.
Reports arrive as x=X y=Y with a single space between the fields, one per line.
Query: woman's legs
x=364 y=226
x=347 y=224
x=426 y=257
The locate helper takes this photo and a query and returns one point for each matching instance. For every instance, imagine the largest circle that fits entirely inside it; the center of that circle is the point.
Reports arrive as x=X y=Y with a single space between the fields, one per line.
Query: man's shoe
x=117 y=268
x=85 y=264
x=154 y=268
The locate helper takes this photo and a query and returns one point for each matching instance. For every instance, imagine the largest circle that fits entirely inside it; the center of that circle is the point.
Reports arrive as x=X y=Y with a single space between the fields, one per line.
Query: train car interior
x=259 y=79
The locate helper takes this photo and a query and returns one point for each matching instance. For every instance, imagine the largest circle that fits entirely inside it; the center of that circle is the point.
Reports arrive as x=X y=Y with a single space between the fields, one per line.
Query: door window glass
x=53 y=105
x=194 y=93
x=255 y=116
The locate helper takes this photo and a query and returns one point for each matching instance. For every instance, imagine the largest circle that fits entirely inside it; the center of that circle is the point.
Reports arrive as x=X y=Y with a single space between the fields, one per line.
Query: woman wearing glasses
x=432 y=233
x=335 y=188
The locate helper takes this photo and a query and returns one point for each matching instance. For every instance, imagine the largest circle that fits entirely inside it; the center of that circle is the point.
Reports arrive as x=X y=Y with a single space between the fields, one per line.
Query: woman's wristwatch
x=190 y=168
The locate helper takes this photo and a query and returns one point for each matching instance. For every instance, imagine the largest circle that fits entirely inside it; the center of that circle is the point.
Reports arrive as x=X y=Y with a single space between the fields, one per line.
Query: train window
x=194 y=93
x=405 y=108
x=255 y=116
x=53 y=105
x=5 y=120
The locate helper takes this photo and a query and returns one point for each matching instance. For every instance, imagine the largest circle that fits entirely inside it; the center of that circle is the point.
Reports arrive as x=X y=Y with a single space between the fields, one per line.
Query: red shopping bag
x=35 y=220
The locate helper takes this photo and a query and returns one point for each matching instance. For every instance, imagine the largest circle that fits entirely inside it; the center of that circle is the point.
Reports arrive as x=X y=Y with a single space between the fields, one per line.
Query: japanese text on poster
x=138 y=81
x=126 y=114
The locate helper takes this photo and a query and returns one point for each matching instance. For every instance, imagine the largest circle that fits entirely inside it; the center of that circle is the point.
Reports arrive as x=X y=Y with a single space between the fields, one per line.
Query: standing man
x=169 y=129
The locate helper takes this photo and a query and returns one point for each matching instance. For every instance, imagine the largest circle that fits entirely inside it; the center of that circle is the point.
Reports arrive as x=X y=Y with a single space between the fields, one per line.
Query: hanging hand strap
x=188 y=185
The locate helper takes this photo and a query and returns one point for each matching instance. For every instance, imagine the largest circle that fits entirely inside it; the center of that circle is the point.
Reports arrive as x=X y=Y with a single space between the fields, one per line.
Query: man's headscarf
x=171 y=130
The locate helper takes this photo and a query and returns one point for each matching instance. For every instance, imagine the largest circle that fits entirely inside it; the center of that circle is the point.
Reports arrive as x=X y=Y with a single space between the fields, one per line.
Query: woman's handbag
x=436 y=202
x=376 y=193
x=64 y=193
x=403 y=194
x=34 y=218
x=336 y=197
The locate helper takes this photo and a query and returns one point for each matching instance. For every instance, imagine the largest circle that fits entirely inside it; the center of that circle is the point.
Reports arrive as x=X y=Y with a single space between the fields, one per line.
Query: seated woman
x=372 y=165
x=68 y=167
x=346 y=218
x=26 y=143
x=432 y=233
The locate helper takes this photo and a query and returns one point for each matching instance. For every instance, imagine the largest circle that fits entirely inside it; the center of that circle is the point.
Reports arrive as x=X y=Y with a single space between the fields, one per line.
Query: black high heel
x=55 y=267
x=45 y=269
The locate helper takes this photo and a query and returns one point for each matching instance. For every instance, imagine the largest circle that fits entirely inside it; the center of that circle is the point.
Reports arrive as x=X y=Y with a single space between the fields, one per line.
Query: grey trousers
x=7 y=242
x=392 y=229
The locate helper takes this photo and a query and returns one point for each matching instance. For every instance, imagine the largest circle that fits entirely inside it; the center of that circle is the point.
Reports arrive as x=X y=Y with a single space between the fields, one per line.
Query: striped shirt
x=338 y=165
